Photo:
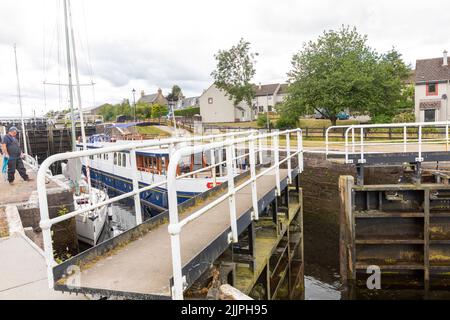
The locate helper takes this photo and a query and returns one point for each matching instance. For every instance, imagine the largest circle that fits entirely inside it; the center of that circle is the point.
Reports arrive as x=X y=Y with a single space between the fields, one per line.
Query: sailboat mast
x=80 y=106
x=69 y=71
x=77 y=79
x=24 y=133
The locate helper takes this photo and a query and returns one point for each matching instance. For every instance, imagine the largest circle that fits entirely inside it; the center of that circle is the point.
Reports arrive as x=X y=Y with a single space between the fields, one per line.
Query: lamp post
x=444 y=97
x=134 y=103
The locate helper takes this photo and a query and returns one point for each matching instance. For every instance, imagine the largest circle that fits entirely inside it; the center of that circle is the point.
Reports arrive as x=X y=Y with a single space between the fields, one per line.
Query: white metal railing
x=46 y=223
x=176 y=225
x=355 y=141
x=43 y=174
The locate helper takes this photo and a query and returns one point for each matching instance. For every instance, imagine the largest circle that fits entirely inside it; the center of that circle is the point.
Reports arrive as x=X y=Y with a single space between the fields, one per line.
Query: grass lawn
x=321 y=123
x=152 y=130
x=249 y=124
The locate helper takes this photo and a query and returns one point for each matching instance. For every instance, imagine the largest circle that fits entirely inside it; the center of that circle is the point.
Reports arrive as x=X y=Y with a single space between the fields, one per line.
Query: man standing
x=11 y=150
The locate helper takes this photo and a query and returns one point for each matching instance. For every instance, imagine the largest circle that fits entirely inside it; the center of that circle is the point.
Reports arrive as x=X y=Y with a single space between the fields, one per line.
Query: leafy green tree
x=340 y=72
x=175 y=94
x=108 y=112
x=234 y=71
x=158 y=111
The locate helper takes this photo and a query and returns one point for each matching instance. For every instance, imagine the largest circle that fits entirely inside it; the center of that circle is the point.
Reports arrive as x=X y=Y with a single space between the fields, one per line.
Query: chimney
x=159 y=91
x=445 y=58
x=142 y=93
x=260 y=86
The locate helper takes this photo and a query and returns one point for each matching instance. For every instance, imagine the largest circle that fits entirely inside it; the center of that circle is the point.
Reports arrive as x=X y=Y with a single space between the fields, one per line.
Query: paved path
x=23 y=274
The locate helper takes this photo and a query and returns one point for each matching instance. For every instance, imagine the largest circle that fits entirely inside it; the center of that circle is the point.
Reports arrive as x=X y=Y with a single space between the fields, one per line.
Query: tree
x=340 y=72
x=175 y=94
x=234 y=71
x=158 y=111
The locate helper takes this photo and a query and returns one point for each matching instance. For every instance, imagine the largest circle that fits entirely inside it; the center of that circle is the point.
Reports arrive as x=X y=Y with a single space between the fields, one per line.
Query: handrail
x=46 y=223
x=418 y=125
x=175 y=225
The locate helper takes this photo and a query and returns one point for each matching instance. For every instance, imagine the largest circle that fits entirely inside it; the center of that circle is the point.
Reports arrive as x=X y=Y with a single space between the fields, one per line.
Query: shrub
x=188 y=112
x=262 y=121
x=286 y=123
x=404 y=117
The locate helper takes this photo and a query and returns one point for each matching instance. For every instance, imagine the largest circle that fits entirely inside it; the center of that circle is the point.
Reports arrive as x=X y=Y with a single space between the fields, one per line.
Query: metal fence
x=401 y=137
x=213 y=143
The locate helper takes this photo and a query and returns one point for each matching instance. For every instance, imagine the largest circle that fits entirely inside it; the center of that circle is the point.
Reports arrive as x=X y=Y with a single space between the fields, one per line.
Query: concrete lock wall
x=320 y=183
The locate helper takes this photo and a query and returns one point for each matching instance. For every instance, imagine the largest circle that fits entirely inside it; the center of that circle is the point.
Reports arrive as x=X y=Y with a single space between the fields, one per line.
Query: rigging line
x=91 y=70
x=58 y=36
x=43 y=53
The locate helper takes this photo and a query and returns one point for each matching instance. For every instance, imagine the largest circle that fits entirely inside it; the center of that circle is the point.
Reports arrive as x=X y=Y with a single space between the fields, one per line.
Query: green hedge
x=188 y=112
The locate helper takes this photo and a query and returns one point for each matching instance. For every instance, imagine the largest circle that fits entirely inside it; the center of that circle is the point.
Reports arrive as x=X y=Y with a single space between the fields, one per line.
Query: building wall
x=421 y=95
x=220 y=110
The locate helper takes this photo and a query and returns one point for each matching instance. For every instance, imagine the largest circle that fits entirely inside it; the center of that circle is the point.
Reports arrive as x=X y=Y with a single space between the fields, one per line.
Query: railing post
x=213 y=164
x=362 y=146
x=326 y=141
x=446 y=137
x=288 y=155
x=45 y=223
x=260 y=147
x=405 y=138
x=276 y=150
x=353 y=139
x=251 y=147
x=174 y=229
x=346 y=144
x=231 y=191
x=137 y=197
x=420 y=145
x=300 y=150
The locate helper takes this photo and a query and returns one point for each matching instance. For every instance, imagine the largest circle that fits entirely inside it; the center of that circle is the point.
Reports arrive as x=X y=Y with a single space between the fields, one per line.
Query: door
x=430 y=115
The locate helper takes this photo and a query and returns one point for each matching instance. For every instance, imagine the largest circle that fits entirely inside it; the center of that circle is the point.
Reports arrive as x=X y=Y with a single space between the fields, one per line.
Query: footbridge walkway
x=161 y=258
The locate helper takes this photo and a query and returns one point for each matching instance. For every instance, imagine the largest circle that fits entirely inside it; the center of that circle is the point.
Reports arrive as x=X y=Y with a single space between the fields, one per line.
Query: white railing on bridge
x=355 y=141
x=212 y=143
x=176 y=226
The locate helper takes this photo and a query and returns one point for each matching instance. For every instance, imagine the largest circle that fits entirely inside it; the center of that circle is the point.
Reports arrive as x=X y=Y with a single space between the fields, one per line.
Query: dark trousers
x=16 y=164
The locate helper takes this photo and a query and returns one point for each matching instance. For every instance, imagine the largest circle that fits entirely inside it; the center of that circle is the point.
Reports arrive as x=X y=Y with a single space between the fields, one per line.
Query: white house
x=215 y=106
x=432 y=84
x=267 y=96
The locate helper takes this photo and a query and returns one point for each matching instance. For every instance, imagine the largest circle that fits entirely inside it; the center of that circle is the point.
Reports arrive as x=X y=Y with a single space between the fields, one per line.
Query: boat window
x=124 y=160
x=119 y=159
x=115 y=158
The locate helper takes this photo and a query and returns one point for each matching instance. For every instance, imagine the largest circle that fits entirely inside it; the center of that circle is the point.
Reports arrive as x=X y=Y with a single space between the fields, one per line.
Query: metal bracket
x=230 y=237
x=350 y=161
x=419 y=159
x=362 y=161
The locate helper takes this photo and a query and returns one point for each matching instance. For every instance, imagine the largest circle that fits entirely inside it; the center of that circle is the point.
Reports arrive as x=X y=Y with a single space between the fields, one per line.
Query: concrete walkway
x=23 y=274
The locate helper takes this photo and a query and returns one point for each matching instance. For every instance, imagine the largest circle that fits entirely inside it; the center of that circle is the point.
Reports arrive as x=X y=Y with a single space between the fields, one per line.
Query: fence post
x=405 y=138
x=137 y=200
x=446 y=136
x=213 y=164
x=276 y=150
x=288 y=155
x=390 y=133
x=300 y=150
x=251 y=147
x=231 y=191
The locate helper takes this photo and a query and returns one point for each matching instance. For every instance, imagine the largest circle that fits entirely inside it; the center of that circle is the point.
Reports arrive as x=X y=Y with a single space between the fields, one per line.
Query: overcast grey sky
x=146 y=44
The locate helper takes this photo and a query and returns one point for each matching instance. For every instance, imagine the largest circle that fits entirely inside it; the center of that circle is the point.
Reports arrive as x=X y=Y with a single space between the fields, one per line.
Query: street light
x=134 y=103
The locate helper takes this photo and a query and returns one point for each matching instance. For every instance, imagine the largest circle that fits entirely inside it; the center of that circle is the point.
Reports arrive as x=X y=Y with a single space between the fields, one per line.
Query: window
x=115 y=158
x=432 y=89
x=124 y=160
x=430 y=115
x=210 y=100
x=261 y=109
x=269 y=108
